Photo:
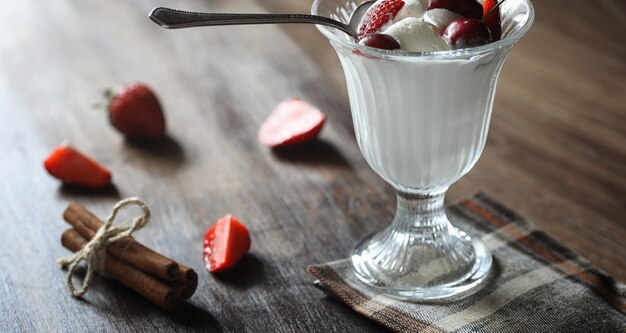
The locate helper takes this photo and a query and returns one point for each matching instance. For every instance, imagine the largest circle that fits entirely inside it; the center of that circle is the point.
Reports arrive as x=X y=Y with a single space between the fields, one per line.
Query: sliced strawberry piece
x=72 y=167
x=378 y=15
x=492 y=21
x=293 y=121
x=225 y=243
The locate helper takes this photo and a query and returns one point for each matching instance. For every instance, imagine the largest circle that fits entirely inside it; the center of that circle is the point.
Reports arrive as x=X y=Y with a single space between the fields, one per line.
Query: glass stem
x=420 y=212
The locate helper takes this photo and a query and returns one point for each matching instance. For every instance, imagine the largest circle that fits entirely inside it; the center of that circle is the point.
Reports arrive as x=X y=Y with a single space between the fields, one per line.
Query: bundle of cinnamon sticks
x=159 y=279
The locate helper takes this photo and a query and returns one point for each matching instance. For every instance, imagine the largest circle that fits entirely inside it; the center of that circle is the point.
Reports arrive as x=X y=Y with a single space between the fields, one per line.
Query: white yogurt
x=411 y=8
x=441 y=18
x=421 y=123
x=415 y=35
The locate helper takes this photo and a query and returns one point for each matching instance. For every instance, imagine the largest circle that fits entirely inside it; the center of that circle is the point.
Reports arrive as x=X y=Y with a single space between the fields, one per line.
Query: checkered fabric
x=538 y=284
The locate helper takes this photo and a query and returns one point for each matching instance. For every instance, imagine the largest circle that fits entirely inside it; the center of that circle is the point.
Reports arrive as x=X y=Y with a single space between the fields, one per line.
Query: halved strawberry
x=293 y=121
x=72 y=167
x=492 y=21
x=225 y=243
x=378 y=15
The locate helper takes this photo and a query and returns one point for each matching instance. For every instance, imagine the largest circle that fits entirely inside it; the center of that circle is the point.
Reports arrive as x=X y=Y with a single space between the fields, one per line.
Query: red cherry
x=470 y=9
x=380 y=41
x=465 y=33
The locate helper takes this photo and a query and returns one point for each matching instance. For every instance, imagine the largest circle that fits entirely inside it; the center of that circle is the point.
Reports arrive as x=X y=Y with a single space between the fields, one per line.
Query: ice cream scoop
x=416 y=35
x=411 y=8
x=441 y=18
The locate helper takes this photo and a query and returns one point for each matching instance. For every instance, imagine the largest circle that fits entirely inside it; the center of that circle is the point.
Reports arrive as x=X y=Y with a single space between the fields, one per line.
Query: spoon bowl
x=357 y=15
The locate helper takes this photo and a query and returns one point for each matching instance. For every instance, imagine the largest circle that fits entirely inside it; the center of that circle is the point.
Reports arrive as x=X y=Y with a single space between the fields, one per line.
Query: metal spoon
x=174 y=19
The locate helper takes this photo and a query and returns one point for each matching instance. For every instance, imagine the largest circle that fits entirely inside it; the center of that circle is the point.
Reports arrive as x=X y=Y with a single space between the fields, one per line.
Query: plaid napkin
x=539 y=284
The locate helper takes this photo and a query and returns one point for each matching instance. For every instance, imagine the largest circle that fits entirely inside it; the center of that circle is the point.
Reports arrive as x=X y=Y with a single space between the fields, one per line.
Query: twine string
x=94 y=252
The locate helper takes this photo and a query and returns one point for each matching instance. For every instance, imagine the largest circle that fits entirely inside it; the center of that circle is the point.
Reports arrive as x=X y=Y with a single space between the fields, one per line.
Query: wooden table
x=556 y=154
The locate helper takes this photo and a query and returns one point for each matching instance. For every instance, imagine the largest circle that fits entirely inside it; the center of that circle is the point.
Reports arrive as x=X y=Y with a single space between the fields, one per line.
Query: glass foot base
x=417 y=266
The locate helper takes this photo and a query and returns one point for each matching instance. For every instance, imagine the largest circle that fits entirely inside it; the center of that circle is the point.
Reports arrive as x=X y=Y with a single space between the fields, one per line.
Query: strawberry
x=492 y=21
x=225 y=243
x=135 y=112
x=293 y=121
x=72 y=167
x=378 y=15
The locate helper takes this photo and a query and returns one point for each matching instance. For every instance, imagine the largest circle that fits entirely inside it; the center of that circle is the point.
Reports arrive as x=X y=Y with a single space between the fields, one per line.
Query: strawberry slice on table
x=225 y=243
x=135 y=111
x=293 y=121
x=493 y=20
x=378 y=15
x=72 y=167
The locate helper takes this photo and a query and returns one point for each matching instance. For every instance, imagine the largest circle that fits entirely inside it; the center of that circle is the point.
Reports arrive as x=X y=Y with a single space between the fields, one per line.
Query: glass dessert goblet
x=421 y=122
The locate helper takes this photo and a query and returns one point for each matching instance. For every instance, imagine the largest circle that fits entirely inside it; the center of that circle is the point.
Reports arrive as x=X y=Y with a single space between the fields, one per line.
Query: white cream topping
x=441 y=18
x=411 y=8
x=415 y=35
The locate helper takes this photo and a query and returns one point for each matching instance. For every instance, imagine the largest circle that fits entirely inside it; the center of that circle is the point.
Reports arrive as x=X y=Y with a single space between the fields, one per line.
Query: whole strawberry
x=135 y=111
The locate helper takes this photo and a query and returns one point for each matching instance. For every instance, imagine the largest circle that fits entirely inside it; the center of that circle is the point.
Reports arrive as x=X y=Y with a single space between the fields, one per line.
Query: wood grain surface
x=556 y=154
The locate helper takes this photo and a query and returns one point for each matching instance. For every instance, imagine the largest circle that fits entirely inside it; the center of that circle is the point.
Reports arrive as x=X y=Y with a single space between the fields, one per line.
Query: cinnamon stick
x=128 y=250
x=187 y=276
x=144 y=284
x=184 y=291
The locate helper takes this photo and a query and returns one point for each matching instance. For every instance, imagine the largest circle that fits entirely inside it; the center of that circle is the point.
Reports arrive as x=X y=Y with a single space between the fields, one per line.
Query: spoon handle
x=174 y=19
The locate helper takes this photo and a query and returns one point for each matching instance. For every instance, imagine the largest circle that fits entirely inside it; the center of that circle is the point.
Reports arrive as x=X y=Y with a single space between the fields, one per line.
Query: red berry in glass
x=470 y=9
x=380 y=41
x=465 y=33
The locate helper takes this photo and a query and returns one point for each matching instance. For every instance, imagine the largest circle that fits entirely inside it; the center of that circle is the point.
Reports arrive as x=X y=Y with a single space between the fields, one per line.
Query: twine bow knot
x=94 y=252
